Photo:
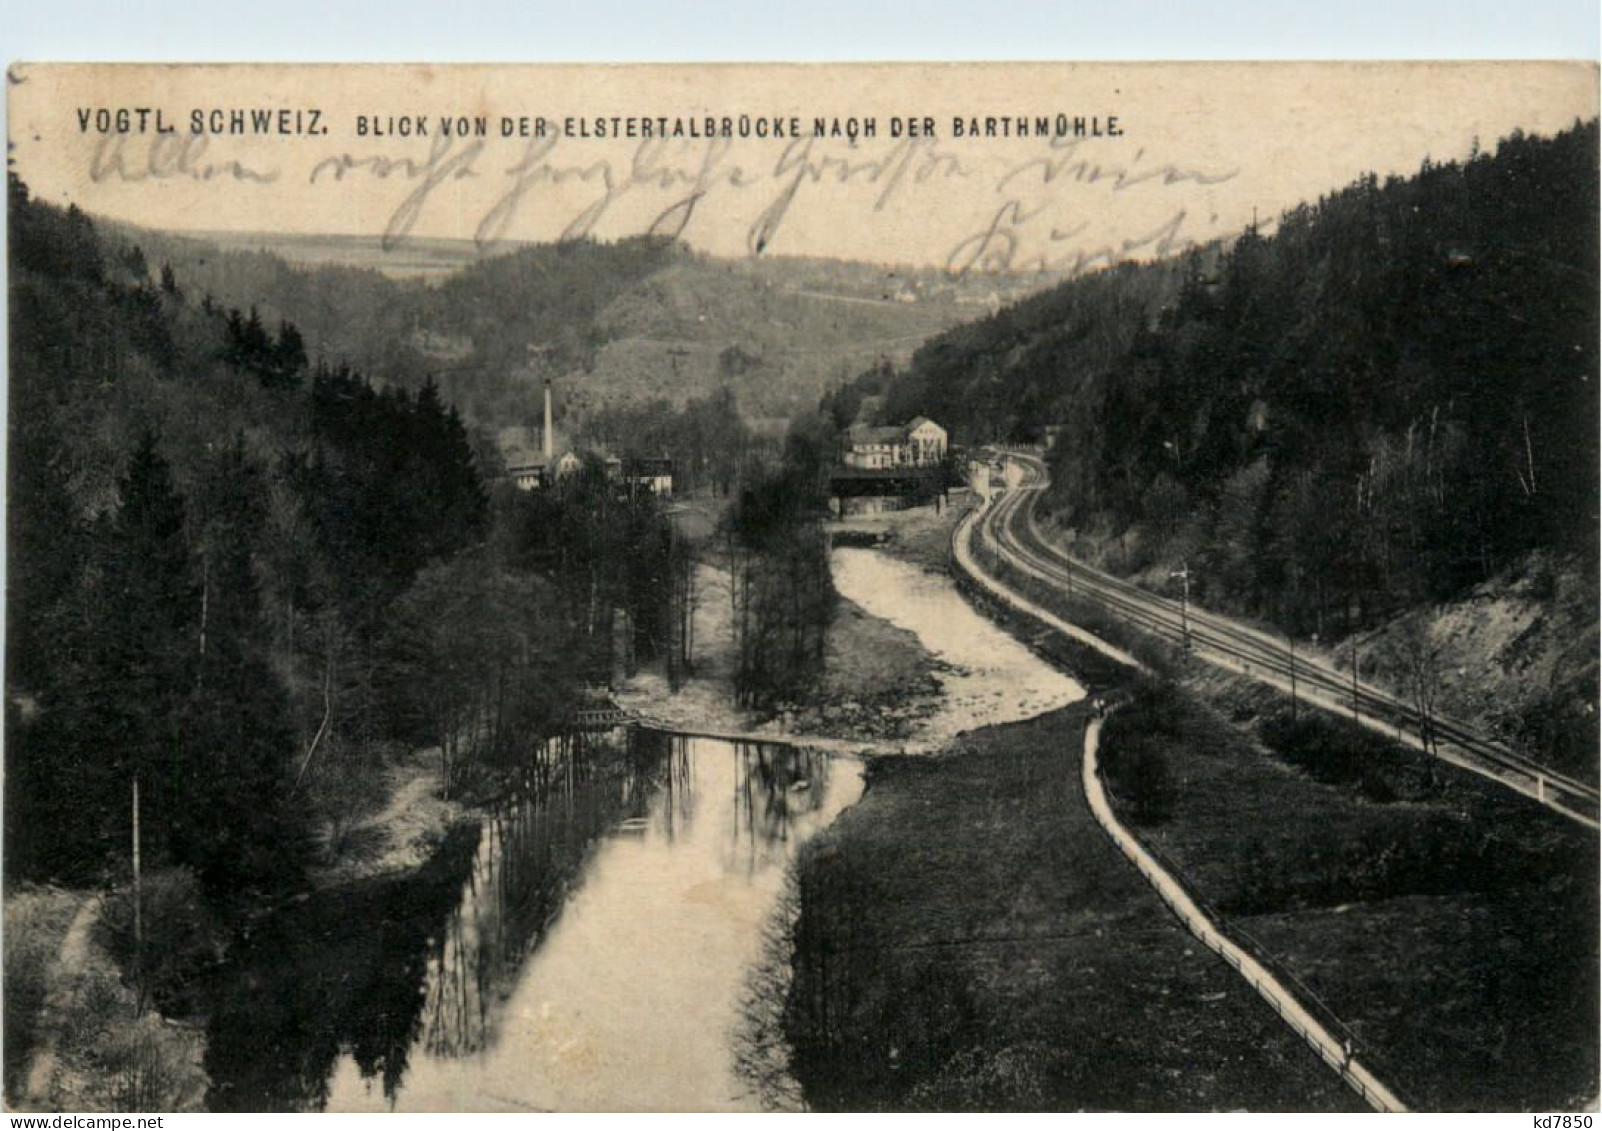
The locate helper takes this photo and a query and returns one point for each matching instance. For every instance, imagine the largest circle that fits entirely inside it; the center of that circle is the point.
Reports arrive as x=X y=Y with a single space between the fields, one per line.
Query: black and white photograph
x=824 y=587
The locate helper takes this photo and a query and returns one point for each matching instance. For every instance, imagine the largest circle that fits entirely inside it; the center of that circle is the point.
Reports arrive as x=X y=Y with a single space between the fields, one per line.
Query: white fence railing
x=1333 y=1051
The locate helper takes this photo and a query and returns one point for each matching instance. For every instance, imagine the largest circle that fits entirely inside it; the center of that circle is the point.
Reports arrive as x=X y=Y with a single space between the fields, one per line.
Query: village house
x=646 y=473
x=872 y=448
x=534 y=474
x=533 y=468
x=920 y=443
x=568 y=463
x=527 y=475
x=926 y=442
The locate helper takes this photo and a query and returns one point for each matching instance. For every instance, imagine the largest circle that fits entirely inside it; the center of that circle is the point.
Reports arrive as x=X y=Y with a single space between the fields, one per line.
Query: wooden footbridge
x=597 y=711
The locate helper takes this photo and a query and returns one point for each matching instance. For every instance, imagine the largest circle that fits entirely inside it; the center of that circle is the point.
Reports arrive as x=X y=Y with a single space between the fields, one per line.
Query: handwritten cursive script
x=1016 y=241
x=168 y=156
x=1058 y=209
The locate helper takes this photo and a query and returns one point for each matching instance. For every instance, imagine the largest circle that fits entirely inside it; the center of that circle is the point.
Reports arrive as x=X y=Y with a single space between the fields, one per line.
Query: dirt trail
x=66 y=975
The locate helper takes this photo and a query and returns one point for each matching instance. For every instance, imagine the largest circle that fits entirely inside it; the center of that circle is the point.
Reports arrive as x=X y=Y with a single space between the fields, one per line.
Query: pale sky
x=1194 y=150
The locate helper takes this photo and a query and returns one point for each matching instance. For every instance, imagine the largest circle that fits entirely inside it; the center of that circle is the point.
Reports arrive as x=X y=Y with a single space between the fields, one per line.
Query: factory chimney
x=547 y=437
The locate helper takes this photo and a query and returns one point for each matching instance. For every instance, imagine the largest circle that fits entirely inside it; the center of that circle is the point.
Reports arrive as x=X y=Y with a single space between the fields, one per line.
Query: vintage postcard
x=820 y=587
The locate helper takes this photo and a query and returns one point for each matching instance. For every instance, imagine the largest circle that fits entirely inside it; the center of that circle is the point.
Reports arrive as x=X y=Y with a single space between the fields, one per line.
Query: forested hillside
x=239 y=578
x=1390 y=398
x=614 y=324
x=488 y=333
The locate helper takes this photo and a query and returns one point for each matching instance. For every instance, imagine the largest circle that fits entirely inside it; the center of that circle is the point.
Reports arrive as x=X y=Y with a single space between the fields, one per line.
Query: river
x=989 y=677
x=593 y=943
x=633 y=996
x=587 y=947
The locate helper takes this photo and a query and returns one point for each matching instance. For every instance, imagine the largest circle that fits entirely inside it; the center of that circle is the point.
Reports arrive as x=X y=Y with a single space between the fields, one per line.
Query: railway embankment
x=1449 y=925
x=1512 y=661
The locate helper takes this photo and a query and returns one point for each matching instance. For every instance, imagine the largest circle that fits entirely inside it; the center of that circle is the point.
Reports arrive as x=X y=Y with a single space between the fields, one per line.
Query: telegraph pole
x=1183 y=573
x=1356 y=713
x=138 y=894
x=1291 y=637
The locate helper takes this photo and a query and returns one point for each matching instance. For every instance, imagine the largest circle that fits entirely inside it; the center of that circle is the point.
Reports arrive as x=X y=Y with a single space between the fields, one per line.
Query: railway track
x=1009 y=529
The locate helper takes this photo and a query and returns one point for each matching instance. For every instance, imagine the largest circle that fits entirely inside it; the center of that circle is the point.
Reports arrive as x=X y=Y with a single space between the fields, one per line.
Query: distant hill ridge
x=613 y=323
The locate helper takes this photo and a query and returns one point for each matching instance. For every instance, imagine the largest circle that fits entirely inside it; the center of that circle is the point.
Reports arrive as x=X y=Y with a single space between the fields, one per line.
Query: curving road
x=1008 y=528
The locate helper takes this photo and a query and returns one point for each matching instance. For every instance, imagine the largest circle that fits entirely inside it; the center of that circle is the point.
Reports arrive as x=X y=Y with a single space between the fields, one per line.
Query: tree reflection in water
x=422 y=966
x=533 y=850
x=534 y=845
x=341 y=972
x=774 y=786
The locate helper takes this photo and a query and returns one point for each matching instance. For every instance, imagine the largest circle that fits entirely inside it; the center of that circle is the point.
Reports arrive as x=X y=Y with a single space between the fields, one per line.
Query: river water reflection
x=588 y=944
x=595 y=955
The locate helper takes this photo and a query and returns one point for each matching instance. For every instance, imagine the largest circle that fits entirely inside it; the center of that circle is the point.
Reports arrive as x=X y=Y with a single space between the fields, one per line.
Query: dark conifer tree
x=125 y=718
x=233 y=827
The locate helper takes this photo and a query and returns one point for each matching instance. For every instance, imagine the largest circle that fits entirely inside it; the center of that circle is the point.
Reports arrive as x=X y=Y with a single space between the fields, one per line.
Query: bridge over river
x=886 y=482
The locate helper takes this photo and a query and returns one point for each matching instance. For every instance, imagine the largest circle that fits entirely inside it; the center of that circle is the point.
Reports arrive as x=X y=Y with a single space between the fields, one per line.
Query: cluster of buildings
x=918 y=443
x=536 y=471
x=640 y=473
